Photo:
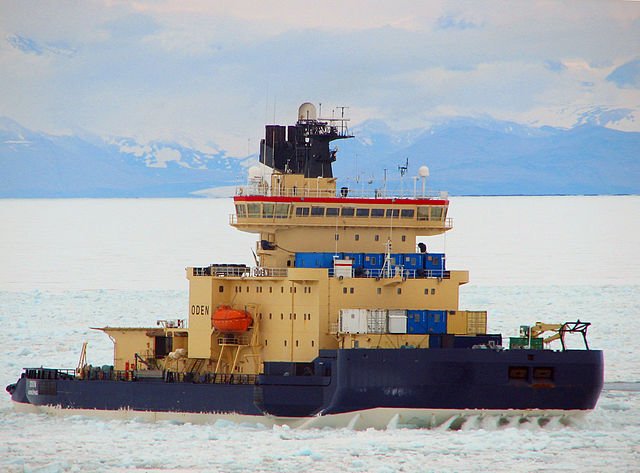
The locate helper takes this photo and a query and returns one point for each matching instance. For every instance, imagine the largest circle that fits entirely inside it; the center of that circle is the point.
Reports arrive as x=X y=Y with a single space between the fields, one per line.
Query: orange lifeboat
x=226 y=319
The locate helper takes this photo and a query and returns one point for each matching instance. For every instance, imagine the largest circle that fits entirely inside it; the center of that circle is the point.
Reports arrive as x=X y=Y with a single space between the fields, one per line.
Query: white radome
x=423 y=171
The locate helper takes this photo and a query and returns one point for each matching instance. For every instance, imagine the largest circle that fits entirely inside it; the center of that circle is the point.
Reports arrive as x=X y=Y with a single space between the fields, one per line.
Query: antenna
x=403 y=171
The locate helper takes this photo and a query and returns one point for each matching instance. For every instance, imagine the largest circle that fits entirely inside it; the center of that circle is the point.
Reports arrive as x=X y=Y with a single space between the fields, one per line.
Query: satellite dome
x=423 y=171
x=307 y=111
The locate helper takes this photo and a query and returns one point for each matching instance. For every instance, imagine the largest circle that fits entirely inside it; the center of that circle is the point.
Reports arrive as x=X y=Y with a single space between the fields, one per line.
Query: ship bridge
x=296 y=214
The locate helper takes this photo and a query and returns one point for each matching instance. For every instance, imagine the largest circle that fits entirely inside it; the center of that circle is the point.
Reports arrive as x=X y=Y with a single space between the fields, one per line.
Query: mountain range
x=466 y=156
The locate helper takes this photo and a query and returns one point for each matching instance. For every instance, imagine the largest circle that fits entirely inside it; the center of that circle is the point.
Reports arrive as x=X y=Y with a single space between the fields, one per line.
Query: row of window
x=307 y=290
x=292 y=316
x=292 y=289
x=313 y=343
x=351 y=290
x=267 y=210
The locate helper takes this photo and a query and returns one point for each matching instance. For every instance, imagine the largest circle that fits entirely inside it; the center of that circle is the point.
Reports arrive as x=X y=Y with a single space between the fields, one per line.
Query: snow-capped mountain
x=470 y=156
x=476 y=156
x=41 y=165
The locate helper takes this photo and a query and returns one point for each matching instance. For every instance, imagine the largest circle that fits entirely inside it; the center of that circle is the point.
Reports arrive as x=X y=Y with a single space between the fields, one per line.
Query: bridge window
x=348 y=211
x=241 y=210
x=362 y=212
x=393 y=213
x=332 y=211
x=282 y=210
x=423 y=213
x=357 y=237
x=436 y=213
x=376 y=238
x=377 y=213
x=302 y=211
x=407 y=213
x=253 y=210
x=317 y=211
x=267 y=210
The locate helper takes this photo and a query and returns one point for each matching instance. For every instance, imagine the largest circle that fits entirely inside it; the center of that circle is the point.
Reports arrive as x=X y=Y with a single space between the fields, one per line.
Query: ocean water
x=68 y=265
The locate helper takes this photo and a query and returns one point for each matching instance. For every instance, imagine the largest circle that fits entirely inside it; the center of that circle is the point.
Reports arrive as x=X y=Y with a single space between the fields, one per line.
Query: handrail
x=233 y=220
x=240 y=271
x=267 y=191
x=97 y=375
x=398 y=271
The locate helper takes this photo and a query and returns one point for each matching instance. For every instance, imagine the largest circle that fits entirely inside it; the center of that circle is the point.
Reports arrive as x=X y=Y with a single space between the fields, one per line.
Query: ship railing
x=240 y=271
x=210 y=378
x=50 y=373
x=396 y=272
x=279 y=219
x=262 y=189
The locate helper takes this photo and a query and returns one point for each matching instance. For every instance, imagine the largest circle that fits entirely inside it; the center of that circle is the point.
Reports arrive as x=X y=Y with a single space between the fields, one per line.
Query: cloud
x=555 y=66
x=455 y=22
x=626 y=75
x=31 y=46
x=216 y=71
x=26 y=45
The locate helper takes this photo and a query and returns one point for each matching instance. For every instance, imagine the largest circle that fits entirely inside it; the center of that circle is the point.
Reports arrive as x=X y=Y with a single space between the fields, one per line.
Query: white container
x=377 y=321
x=397 y=321
x=353 y=320
x=342 y=268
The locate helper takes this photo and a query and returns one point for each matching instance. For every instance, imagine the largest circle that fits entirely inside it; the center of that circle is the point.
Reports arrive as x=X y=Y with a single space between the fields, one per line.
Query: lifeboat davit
x=226 y=319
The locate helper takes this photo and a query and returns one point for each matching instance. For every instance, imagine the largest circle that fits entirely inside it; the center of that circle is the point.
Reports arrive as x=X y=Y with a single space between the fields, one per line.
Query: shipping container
x=353 y=320
x=397 y=321
x=342 y=268
x=315 y=260
x=417 y=321
x=411 y=261
x=466 y=322
x=377 y=321
x=434 y=261
x=436 y=321
x=516 y=343
x=373 y=261
x=476 y=322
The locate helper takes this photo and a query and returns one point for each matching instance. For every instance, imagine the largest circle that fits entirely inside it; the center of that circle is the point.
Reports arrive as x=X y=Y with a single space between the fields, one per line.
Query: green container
x=516 y=343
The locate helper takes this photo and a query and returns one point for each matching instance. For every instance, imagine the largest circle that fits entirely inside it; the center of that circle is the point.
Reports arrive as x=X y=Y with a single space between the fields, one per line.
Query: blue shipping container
x=373 y=260
x=412 y=261
x=434 y=261
x=315 y=260
x=436 y=321
x=417 y=321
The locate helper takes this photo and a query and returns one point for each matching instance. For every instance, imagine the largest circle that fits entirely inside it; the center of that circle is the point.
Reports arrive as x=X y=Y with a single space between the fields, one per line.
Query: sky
x=212 y=73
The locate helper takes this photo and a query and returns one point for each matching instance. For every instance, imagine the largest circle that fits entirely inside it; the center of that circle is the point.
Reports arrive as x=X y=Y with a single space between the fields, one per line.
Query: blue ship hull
x=346 y=381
